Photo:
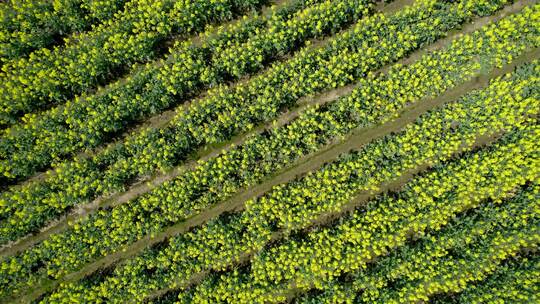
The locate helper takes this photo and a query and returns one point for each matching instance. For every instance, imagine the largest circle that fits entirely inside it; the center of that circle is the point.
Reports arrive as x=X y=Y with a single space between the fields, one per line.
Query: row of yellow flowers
x=293 y=206
x=516 y=281
x=428 y=204
x=50 y=76
x=259 y=100
x=449 y=261
x=28 y=25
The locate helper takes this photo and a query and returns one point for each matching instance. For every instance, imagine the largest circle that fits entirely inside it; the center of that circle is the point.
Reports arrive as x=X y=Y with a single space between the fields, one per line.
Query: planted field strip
x=161 y=148
x=91 y=58
x=445 y=251
x=211 y=153
x=258 y=214
x=26 y=26
x=514 y=281
x=301 y=263
x=97 y=219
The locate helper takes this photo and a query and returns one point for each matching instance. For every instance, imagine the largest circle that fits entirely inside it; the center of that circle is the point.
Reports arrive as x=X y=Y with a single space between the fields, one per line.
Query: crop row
x=89 y=121
x=29 y=25
x=31 y=204
x=220 y=177
x=77 y=182
x=94 y=57
x=516 y=281
x=293 y=206
x=478 y=261
x=439 y=263
x=428 y=204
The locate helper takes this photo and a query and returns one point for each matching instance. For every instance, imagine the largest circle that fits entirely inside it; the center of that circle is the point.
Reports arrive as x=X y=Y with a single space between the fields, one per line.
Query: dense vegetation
x=150 y=149
x=87 y=121
x=306 y=151
x=49 y=76
x=30 y=25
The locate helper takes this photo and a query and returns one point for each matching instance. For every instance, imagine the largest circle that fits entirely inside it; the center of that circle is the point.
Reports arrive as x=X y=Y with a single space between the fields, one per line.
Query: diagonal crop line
x=356 y=141
x=141 y=188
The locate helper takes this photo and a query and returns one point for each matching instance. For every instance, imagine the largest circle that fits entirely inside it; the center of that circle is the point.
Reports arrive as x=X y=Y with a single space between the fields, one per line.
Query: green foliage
x=516 y=281
x=89 y=121
x=465 y=230
x=231 y=110
x=28 y=25
x=293 y=206
x=449 y=261
x=90 y=58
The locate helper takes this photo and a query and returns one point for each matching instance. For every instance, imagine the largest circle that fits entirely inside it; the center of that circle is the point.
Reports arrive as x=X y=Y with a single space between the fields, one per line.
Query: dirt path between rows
x=210 y=151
